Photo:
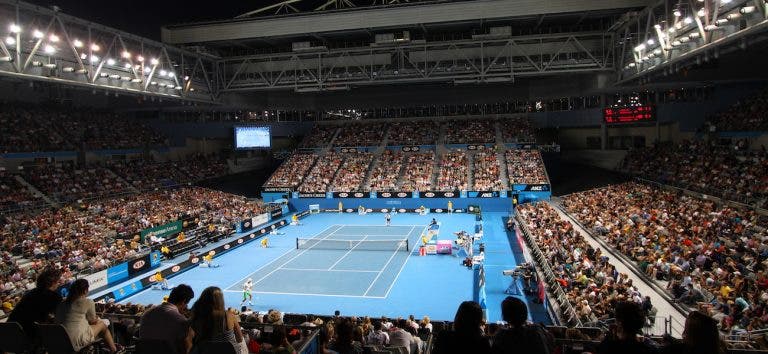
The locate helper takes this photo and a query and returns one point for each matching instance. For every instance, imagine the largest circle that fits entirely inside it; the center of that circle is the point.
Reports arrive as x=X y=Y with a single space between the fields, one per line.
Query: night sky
x=145 y=18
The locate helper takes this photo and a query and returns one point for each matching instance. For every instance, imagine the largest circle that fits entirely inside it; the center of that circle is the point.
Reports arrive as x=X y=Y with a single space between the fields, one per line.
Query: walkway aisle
x=500 y=255
x=664 y=307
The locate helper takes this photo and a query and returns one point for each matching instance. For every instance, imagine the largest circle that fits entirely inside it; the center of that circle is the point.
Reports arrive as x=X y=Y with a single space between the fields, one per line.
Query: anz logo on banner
x=485 y=194
x=537 y=188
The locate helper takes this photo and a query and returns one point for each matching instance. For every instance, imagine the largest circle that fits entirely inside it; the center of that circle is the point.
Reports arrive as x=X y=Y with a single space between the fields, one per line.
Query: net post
x=407 y=245
x=297 y=243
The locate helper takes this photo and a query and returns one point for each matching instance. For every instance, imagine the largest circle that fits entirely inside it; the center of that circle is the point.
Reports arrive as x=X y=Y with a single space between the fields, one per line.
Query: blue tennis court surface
x=362 y=278
x=366 y=264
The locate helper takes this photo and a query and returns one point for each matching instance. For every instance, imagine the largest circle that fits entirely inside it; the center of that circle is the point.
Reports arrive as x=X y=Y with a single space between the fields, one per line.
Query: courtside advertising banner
x=260 y=219
x=117 y=273
x=97 y=280
x=163 y=231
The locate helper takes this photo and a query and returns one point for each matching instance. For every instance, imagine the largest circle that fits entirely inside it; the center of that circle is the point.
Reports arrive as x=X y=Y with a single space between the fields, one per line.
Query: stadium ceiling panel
x=382 y=17
x=669 y=36
x=45 y=45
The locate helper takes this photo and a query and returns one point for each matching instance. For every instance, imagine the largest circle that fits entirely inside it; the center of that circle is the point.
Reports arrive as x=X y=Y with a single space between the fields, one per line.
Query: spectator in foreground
x=212 y=323
x=167 y=323
x=700 y=336
x=467 y=335
x=623 y=337
x=519 y=337
x=39 y=304
x=345 y=343
x=78 y=316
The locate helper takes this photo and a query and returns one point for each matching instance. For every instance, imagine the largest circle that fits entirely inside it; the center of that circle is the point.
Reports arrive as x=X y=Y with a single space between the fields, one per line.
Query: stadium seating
x=291 y=173
x=470 y=132
x=677 y=238
x=740 y=175
x=413 y=133
x=321 y=175
x=453 y=171
x=745 y=115
x=360 y=135
x=386 y=171
x=516 y=129
x=525 y=167
x=352 y=173
x=418 y=172
x=320 y=136
x=486 y=172
x=14 y=195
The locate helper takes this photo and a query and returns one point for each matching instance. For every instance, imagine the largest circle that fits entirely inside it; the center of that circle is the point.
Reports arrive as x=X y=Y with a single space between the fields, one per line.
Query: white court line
x=331 y=270
x=290 y=260
x=348 y=252
x=403 y=266
x=388 y=235
x=385 y=267
x=374 y=225
x=305 y=294
x=264 y=266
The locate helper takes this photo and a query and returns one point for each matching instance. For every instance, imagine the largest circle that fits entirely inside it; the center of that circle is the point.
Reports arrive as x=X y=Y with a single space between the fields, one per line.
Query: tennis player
x=264 y=242
x=247 y=287
x=388 y=218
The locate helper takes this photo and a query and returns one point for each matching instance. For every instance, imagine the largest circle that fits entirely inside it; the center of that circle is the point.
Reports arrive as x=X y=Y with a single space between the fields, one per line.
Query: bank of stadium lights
x=747 y=10
x=701 y=13
x=14 y=28
x=154 y=61
x=110 y=61
x=53 y=38
x=128 y=66
x=77 y=43
x=640 y=47
x=94 y=59
x=688 y=20
x=95 y=47
x=10 y=40
x=49 y=49
x=677 y=13
x=140 y=59
x=37 y=34
x=125 y=54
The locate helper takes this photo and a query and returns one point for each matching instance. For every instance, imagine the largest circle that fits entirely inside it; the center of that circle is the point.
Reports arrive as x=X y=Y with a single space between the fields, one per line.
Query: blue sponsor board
x=117 y=273
x=127 y=290
x=486 y=194
x=155 y=258
x=531 y=187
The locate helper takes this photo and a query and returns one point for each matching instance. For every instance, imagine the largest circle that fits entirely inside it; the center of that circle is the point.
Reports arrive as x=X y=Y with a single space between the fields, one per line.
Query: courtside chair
x=13 y=339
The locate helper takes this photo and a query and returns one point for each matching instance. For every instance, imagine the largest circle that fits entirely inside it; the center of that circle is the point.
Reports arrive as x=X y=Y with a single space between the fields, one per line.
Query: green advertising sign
x=162 y=231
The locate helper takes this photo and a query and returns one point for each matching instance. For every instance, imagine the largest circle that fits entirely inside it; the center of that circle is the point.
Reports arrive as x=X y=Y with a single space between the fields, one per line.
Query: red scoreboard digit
x=636 y=114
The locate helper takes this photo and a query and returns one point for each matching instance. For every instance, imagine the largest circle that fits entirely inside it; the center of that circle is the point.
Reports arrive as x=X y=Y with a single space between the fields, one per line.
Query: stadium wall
x=486 y=204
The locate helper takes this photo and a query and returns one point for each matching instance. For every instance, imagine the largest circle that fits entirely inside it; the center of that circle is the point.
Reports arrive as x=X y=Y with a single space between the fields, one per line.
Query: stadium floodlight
x=725 y=2
x=140 y=58
x=136 y=81
x=110 y=61
x=710 y=28
x=15 y=28
x=49 y=66
x=677 y=13
x=747 y=9
x=694 y=35
x=171 y=74
x=147 y=69
x=640 y=48
x=77 y=43
x=186 y=78
x=68 y=69
x=153 y=83
x=163 y=73
x=49 y=49
x=103 y=75
x=671 y=30
x=10 y=40
x=83 y=56
x=114 y=77
x=702 y=12
x=125 y=78
x=177 y=88
x=632 y=65
x=651 y=42
x=37 y=34
x=657 y=51
x=657 y=26
x=127 y=65
x=688 y=20
x=94 y=59
x=154 y=61
x=53 y=38
x=7 y=59
x=733 y=16
x=95 y=47
x=125 y=54
x=721 y=21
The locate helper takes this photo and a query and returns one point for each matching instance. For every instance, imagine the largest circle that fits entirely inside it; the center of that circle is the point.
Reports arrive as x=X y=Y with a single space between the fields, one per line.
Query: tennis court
x=342 y=260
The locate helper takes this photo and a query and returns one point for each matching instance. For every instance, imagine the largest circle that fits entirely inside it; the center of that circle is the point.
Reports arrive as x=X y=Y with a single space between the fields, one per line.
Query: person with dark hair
x=39 y=304
x=519 y=337
x=467 y=334
x=211 y=322
x=700 y=336
x=167 y=323
x=278 y=341
x=623 y=337
x=344 y=342
x=398 y=336
x=377 y=335
x=78 y=316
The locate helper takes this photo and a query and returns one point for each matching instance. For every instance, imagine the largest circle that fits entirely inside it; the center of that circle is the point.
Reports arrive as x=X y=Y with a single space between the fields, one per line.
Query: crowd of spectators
x=14 y=195
x=413 y=133
x=525 y=167
x=516 y=130
x=321 y=175
x=386 y=171
x=746 y=115
x=734 y=174
x=486 y=172
x=67 y=183
x=352 y=173
x=360 y=135
x=94 y=236
x=101 y=130
x=149 y=175
x=470 y=131
x=591 y=283
x=320 y=136
x=419 y=169
x=713 y=256
x=29 y=130
x=453 y=171
x=291 y=173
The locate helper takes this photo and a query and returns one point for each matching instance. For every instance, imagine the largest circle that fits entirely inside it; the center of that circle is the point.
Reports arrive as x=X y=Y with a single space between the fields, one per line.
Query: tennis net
x=357 y=245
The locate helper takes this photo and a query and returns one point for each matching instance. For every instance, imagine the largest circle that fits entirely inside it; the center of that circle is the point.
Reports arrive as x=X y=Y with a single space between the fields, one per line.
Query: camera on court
x=518 y=271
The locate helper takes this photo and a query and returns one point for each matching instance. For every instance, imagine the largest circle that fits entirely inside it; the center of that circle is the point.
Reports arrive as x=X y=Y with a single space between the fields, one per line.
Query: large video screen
x=253 y=138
